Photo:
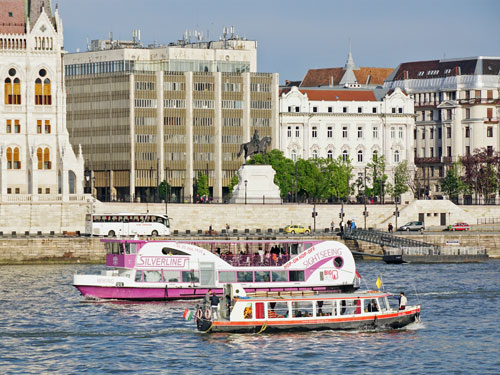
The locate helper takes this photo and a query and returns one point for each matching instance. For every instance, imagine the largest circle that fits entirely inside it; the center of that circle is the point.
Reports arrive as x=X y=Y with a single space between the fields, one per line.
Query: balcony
x=426 y=160
x=447 y=159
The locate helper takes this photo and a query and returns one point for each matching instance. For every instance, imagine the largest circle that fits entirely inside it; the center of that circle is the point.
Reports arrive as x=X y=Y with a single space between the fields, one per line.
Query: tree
x=164 y=190
x=234 y=181
x=401 y=179
x=376 y=172
x=284 y=167
x=202 y=185
x=338 y=174
x=482 y=171
x=452 y=184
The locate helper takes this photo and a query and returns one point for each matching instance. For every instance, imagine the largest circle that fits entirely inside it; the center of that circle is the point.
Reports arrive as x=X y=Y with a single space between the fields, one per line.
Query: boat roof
x=315 y=297
x=239 y=241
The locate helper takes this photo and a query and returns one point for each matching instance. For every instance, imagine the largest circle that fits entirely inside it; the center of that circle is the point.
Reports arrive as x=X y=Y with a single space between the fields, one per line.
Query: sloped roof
x=341 y=95
x=12 y=19
x=364 y=75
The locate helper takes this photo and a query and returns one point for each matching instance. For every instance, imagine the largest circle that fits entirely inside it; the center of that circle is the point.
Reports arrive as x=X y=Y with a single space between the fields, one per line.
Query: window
x=289 y=132
x=294 y=155
x=467 y=113
x=344 y=109
x=17 y=127
x=490 y=150
x=13 y=161
x=375 y=132
x=279 y=276
x=400 y=133
x=431 y=133
x=314 y=132
x=360 y=132
x=43 y=156
x=344 y=132
x=47 y=127
x=396 y=156
x=374 y=110
x=315 y=154
x=360 y=156
x=345 y=156
x=8 y=128
x=489 y=131
x=43 y=94
x=467 y=150
x=244 y=276
x=448 y=132
x=393 y=110
x=393 y=132
x=277 y=310
x=329 y=154
x=423 y=115
x=289 y=108
x=489 y=113
x=440 y=152
x=360 y=109
x=449 y=151
x=315 y=109
x=449 y=114
x=39 y=126
x=12 y=88
x=330 y=109
x=227 y=277
x=302 y=309
x=329 y=132
x=432 y=152
x=467 y=132
x=297 y=131
x=423 y=133
x=297 y=109
x=400 y=110
x=375 y=155
x=440 y=133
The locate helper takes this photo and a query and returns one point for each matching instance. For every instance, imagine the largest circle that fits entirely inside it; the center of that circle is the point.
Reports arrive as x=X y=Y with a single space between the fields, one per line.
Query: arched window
x=43 y=93
x=13 y=160
x=72 y=182
x=8 y=90
x=329 y=154
x=396 y=156
x=294 y=155
x=12 y=88
x=360 y=156
x=43 y=158
x=315 y=154
x=375 y=155
x=345 y=155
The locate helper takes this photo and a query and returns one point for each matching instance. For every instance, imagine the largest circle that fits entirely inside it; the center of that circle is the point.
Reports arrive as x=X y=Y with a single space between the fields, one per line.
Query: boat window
x=262 y=276
x=339 y=262
x=347 y=307
x=302 y=309
x=133 y=248
x=247 y=312
x=171 y=276
x=152 y=276
x=296 y=275
x=107 y=246
x=371 y=305
x=115 y=247
x=190 y=277
x=326 y=308
x=138 y=276
x=170 y=251
x=227 y=277
x=277 y=310
x=384 y=304
x=279 y=276
x=245 y=276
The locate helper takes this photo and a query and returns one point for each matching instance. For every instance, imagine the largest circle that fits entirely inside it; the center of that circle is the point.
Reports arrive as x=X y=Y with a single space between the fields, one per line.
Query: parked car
x=412 y=225
x=296 y=229
x=459 y=226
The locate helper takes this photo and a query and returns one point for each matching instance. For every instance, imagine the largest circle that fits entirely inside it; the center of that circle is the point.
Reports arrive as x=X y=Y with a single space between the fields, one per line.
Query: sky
x=294 y=36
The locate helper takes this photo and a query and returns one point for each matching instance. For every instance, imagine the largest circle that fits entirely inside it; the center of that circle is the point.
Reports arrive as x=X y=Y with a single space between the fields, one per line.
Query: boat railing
x=255 y=260
x=445 y=250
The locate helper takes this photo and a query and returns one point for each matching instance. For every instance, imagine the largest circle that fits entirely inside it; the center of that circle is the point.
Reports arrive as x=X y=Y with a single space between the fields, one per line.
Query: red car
x=459 y=226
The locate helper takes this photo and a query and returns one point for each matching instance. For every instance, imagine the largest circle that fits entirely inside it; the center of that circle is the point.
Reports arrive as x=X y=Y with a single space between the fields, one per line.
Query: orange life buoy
x=208 y=314
x=199 y=314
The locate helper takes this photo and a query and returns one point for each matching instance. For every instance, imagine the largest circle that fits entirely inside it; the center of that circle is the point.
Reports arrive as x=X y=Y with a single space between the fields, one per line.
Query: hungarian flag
x=188 y=315
x=358 y=275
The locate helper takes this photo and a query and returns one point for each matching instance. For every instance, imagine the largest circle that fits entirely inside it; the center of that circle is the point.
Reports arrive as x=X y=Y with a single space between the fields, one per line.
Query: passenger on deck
x=402 y=301
x=214 y=303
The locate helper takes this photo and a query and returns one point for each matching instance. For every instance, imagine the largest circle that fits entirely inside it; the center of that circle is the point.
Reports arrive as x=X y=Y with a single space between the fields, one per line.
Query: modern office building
x=343 y=117
x=457 y=111
x=37 y=162
x=146 y=114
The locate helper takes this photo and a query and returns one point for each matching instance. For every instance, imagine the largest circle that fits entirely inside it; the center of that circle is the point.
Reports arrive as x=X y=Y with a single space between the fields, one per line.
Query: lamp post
x=365 y=212
x=246 y=182
x=296 y=181
x=166 y=191
x=150 y=182
x=87 y=180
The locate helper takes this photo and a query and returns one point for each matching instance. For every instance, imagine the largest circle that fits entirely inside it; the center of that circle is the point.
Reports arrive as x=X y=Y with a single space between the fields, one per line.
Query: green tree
x=234 y=181
x=401 y=180
x=338 y=174
x=376 y=173
x=164 y=190
x=284 y=167
x=202 y=185
x=452 y=184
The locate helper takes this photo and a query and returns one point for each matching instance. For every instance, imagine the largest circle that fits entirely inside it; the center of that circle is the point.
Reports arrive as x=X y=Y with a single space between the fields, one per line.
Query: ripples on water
x=47 y=327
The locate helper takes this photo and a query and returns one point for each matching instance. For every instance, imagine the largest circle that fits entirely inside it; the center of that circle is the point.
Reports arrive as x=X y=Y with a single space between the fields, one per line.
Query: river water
x=47 y=327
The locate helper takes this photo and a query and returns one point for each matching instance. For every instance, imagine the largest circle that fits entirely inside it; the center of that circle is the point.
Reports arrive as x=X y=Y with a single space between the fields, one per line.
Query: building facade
x=345 y=118
x=148 y=114
x=37 y=161
x=456 y=108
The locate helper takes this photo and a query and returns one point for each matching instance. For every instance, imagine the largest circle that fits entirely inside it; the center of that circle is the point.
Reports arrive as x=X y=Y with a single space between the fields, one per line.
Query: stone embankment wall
x=91 y=250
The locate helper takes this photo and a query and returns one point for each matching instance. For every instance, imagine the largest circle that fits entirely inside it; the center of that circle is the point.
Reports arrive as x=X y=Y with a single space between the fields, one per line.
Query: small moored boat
x=238 y=311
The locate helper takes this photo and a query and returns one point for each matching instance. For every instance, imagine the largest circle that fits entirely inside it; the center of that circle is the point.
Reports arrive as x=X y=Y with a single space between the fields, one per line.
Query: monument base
x=256 y=185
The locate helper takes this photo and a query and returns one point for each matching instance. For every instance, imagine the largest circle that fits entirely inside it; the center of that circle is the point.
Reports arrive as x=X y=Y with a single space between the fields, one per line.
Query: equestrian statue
x=255 y=146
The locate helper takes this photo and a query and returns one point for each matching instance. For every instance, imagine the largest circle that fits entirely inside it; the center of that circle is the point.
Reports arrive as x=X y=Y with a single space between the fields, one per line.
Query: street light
x=365 y=212
x=166 y=191
x=246 y=182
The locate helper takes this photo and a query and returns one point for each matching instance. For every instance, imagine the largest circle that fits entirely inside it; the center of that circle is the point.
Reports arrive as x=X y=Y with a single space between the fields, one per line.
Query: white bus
x=127 y=225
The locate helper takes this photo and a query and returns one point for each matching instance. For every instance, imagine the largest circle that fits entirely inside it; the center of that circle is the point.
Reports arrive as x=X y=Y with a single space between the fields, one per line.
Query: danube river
x=46 y=327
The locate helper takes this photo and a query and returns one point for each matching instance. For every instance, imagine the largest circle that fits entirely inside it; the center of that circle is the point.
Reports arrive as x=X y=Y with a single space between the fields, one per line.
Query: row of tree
x=476 y=173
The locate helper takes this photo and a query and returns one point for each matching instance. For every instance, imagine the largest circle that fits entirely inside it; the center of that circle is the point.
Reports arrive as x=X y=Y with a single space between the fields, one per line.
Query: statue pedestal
x=259 y=187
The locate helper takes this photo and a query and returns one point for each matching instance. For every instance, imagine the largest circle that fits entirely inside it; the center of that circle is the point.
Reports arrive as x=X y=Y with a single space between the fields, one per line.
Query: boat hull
x=377 y=322
x=165 y=293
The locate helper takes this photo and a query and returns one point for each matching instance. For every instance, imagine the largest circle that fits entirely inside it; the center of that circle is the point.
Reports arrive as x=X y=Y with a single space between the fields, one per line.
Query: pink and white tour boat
x=259 y=312
x=170 y=270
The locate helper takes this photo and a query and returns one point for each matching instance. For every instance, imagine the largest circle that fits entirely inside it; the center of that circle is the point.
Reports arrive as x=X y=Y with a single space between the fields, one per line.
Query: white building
x=348 y=119
x=36 y=158
x=457 y=111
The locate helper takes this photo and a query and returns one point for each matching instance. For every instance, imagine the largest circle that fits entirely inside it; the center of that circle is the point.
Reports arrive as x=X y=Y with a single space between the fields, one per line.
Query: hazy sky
x=294 y=36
